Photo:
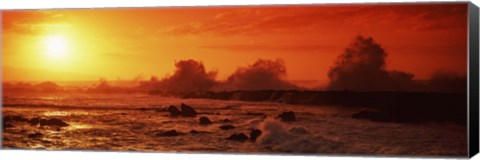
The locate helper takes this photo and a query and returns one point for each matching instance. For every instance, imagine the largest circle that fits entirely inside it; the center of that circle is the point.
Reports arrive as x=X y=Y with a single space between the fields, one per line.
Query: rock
x=227 y=121
x=52 y=122
x=174 y=111
x=226 y=127
x=197 y=132
x=255 y=114
x=254 y=134
x=35 y=135
x=7 y=125
x=238 y=137
x=15 y=118
x=34 y=121
x=287 y=116
x=205 y=121
x=194 y=131
x=187 y=111
x=170 y=133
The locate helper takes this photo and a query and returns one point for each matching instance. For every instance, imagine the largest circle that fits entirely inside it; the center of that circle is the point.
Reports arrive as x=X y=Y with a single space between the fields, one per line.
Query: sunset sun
x=56 y=47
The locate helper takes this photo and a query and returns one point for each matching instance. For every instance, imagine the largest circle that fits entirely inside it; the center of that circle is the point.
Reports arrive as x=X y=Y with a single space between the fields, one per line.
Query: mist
x=261 y=75
x=189 y=76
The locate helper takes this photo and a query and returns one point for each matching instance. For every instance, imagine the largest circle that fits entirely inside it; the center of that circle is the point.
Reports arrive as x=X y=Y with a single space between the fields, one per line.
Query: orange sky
x=126 y=43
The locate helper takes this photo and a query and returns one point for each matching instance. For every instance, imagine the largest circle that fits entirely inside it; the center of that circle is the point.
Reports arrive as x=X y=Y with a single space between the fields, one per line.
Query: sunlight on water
x=65 y=113
x=75 y=126
x=56 y=113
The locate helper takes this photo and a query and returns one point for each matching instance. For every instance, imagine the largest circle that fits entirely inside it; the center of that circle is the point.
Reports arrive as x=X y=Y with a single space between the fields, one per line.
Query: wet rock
x=7 y=125
x=226 y=121
x=287 y=116
x=374 y=116
x=174 y=111
x=187 y=111
x=197 y=132
x=205 y=121
x=170 y=133
x=15 y=119
x=254 y=134
x=255 y=114
x=53 y=122
x=34 y=121
x=35 y=135
x=226 y=127
x=238 y=137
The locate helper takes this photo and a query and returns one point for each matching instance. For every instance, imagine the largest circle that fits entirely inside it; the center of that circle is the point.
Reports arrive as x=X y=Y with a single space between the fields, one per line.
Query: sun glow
x=56 y=47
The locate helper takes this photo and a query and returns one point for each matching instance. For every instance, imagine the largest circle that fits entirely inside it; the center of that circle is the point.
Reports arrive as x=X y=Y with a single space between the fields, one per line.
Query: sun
x=56 y=47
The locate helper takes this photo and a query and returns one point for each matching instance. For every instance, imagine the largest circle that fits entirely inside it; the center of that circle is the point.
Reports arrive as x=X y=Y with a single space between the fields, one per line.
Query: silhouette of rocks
x=227 y=121
x=255 y=114
x=170 y=133
x=35 y=135
x=34 y=121
x=287 y=116
x=188 y=111
x=174 y=111
x=226 y=127
x=15 y=119
x=53 y=122
x=197 y=132
x=205 y=121
x=238 y=137
x=7 y=125
x=254 y=134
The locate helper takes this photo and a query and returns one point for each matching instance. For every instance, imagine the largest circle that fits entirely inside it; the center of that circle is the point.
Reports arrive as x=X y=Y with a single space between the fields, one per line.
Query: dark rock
x=174 y=111
x=226 y=127
x=238 y=137
x=187 y=111
x=34 y=121
x=170 y=133
x=254 y=134
x=194 y=132
x=287 y=116
x=7 y=125
x=35 y=135
x=205 y=121
x=255 y=114
x=227 y=121
x=15 y=119
x=197 y=132
x=52 y=122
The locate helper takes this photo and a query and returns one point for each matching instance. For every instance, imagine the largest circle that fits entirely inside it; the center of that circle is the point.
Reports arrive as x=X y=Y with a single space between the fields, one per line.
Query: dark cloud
x=262 y=75
x=362 y=68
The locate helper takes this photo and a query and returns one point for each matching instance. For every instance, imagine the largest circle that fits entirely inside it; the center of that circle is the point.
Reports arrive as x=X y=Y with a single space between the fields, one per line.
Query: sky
x=129 y=43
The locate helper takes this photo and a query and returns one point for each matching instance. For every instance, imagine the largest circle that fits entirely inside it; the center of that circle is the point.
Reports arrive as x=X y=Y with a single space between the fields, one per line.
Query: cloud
x=362 y=68
x=32 y=22
x=287 y=19
x=261 y=75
